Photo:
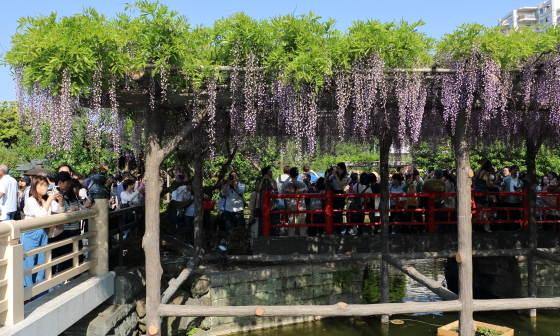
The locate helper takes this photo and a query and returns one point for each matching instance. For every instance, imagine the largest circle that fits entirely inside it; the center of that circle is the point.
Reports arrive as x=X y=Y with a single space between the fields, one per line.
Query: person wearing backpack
x=283 y=178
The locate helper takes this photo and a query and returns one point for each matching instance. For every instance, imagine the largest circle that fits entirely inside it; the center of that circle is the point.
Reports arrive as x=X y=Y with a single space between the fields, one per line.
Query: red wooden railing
x=429 y=212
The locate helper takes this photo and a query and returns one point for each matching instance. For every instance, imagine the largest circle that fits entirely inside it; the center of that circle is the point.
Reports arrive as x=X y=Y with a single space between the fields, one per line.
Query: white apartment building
x=545 y=14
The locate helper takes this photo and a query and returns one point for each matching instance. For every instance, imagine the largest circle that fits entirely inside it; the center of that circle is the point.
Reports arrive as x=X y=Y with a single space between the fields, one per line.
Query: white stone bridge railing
x=12 y=272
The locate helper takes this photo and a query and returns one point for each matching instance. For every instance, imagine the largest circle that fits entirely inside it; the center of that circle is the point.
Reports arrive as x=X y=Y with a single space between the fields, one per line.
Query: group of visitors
x=403 y=180
x=46 y=193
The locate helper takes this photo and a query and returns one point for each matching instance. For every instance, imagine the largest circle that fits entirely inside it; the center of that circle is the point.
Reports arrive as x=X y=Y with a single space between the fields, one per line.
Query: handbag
x=208 y=205
x=55 y=231
x=356 y=204
x=124 y=206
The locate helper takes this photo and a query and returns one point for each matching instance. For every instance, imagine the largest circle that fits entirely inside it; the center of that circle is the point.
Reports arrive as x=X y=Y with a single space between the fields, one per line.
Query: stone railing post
x=11 y=256
x=100 y=223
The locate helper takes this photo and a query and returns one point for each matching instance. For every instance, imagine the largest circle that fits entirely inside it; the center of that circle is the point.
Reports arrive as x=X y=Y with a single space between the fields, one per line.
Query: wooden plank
x=121 y=212
x=516 y=304
x=356 y=310
x=35 y=269
x=545 y=255
x=432 y=285
x=58 y=244
x=362 y=256
x=42 y=286
x=175 y=283
x=317 y=310
x=54 y=220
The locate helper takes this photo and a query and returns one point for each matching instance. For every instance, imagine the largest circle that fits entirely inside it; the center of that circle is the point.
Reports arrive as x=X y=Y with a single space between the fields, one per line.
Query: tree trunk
x=198 y=203
x=530 y=156
x=151 y=236
x=385 y=147
x=464 y=226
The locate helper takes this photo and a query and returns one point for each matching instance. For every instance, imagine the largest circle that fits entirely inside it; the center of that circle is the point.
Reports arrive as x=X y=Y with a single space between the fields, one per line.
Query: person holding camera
x=339 y=180
x=233 y=192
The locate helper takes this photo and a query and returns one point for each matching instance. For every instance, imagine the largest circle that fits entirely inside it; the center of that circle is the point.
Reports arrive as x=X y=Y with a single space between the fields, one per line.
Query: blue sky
x=440 y=16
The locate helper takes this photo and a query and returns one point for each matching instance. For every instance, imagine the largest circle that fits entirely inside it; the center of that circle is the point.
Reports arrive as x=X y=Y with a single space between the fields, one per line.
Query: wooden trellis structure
x=464 y=304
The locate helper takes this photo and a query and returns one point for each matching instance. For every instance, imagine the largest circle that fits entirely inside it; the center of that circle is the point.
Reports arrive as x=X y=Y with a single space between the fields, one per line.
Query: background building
x=545 y=14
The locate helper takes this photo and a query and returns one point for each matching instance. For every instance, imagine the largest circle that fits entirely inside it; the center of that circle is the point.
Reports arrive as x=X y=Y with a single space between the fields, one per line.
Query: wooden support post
x=432 y=285
x=464 y=226
x=384 y=214
x=530 y=217
x=100 y=223
x=198 y=202
x=151 y=237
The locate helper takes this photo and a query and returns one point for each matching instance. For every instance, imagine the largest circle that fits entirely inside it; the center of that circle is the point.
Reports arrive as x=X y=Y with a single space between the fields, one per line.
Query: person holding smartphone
x=233 y=192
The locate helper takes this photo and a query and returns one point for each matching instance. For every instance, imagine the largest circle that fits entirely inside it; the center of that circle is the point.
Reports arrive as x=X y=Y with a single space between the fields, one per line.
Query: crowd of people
x=67 y=191
x=44 y=193
x=404 y=180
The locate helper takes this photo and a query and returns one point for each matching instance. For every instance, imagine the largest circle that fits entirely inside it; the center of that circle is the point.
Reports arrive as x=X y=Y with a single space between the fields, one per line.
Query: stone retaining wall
x=282 y=285
x=122 y=314
x=312 y=284
x=548 y=278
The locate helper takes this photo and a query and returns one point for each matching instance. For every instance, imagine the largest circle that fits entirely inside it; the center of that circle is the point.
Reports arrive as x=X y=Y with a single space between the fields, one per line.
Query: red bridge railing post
x=431 y=213
x=329 y=211
x=525 y=203
x=265 y=201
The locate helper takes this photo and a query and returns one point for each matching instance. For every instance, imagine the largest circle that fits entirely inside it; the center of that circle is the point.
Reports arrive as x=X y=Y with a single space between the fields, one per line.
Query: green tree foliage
x=509 y=50
x=304 y=48
x=10 y=127
x=501 y=155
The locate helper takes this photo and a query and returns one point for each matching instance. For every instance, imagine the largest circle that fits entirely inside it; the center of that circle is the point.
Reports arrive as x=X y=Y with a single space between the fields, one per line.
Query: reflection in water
x=403 y=288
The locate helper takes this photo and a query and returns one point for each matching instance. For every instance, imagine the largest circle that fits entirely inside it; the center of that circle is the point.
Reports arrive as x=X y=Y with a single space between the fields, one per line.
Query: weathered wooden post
x=384 y=215
x=100 y=223
x=464 y=226
x=198 y=202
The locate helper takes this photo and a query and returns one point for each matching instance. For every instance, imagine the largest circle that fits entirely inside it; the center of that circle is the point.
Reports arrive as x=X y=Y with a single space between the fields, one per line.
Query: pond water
x=405 y=289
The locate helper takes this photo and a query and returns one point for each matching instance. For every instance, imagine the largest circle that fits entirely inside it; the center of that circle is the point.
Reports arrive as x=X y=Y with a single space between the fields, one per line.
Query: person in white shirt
x=512 y=183
x=129 y=197
x=8 y=194
x=178 y=195
x=281 y=179
x=292 y=187
x=38 y=205
x=233 y=192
